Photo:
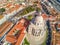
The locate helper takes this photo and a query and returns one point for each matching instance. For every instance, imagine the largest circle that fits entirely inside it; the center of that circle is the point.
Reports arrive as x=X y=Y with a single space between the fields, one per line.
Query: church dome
x=39 y=21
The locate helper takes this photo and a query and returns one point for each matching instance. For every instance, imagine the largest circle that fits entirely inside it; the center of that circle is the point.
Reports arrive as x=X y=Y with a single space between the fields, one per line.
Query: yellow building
x=55 y=38
x=1 y=16
x=55 y=27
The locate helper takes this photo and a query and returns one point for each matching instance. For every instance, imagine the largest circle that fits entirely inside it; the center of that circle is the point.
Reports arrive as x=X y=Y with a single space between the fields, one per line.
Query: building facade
x=37 y=31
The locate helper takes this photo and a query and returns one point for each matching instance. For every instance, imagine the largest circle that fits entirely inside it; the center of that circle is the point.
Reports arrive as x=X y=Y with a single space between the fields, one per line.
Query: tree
x=2 y=9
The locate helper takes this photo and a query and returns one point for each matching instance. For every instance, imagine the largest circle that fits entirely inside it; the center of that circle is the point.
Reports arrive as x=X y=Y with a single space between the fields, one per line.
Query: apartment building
x=10 y=10
x=17 y=33
x=4 y=28
x=55 y=27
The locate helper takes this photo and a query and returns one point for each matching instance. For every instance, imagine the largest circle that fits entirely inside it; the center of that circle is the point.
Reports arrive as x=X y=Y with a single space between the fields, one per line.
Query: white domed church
x=37 y=31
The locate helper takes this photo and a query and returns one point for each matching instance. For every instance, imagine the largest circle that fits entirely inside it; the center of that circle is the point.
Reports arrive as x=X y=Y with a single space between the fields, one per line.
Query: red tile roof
x=19 y=37
x=8 y=5
x=44 y=16
x=4 y=27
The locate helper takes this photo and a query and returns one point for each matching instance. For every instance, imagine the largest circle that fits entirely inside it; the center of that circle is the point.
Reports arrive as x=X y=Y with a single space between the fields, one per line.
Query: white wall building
x=37 y=31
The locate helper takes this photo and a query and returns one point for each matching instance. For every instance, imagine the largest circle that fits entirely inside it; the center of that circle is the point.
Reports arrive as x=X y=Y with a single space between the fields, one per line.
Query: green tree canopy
x=2 y=9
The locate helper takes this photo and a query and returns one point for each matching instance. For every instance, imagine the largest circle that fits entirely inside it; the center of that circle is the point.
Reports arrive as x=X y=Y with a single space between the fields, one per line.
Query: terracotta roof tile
x=5 y=26
x=44 y=16
x=18 y=38
x=8 y=5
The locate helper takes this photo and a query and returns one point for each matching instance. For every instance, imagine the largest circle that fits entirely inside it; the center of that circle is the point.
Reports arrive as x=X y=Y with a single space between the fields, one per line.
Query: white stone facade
x=37 y=31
